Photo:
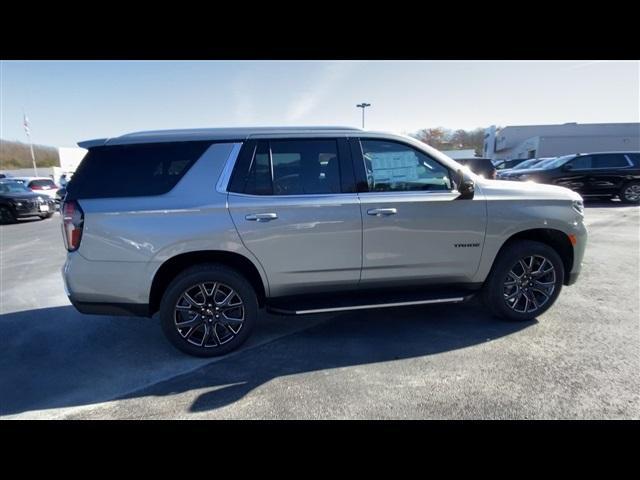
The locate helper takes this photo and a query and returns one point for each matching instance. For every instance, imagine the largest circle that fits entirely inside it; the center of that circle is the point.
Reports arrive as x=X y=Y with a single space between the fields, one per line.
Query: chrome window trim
x=298 y=195
x=225 y=176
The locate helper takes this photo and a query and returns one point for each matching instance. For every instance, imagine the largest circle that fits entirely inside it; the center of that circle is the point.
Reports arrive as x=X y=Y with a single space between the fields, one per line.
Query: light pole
x=28 y=132
x=363 y=106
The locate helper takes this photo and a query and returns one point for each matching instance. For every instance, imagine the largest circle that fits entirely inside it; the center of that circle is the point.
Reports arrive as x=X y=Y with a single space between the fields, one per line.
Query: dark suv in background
x=479 y=166
x=602 y=174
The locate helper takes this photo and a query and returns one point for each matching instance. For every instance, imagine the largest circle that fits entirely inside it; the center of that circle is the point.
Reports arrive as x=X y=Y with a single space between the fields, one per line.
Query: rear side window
x=133 y=170
x=42 y=183
x=294 y=167
x=635 y=159
x=611 y=160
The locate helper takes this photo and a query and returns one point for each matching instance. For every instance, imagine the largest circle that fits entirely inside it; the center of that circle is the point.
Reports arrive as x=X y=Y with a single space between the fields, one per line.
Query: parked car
x=505 y=164
x=41 y=185
x=208 y=226
x=479 y=166
x=17 y=201
x=526 y=165
x=600 y=174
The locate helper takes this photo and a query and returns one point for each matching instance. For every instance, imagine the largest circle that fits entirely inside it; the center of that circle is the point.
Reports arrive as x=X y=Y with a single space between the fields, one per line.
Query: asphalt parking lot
x=579 y=360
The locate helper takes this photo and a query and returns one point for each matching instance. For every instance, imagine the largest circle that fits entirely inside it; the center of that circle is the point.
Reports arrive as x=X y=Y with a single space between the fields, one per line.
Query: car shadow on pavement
x=56 y=357
x=347 y=340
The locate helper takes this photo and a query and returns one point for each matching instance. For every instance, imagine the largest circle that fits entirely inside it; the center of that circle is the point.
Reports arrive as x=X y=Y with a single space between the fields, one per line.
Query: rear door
x=294 y=204
x=608 y=173
x=415 y=230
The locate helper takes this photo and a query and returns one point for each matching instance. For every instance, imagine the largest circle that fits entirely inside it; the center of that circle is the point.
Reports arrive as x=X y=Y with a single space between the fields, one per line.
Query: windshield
x=558 y=162
x=13 y=187
x=527 y=164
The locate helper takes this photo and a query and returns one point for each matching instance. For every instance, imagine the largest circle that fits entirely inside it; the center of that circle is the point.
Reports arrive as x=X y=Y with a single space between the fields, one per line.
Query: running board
x=296 y=306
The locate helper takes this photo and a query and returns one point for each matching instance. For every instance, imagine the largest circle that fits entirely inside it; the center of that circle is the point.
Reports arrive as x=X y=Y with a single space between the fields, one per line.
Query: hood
x=526 y=190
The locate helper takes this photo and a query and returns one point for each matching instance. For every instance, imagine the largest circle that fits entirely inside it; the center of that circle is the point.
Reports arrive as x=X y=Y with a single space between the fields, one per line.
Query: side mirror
x=566 y=167
x=466 y=186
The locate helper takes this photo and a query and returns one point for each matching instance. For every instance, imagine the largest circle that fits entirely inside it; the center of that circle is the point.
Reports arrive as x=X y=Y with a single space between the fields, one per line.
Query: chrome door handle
x=382 y=212
x=261 y=217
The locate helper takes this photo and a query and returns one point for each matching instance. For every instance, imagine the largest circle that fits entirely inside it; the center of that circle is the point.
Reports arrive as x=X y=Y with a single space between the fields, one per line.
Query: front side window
x=393 y=166
x=610 y=160
x=294 y=167
x=581 y=163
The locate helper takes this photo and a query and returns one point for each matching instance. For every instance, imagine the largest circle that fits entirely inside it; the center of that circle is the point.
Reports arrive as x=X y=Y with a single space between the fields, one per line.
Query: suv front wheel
x=524 y=282
x=208 y=310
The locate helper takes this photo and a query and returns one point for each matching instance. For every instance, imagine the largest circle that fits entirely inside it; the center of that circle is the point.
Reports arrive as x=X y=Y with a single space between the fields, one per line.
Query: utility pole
x=363 y=106
x=28 y=132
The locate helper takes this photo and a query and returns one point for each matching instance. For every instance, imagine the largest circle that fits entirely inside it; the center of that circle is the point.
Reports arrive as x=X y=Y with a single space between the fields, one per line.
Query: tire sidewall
x=622 y=196
x=207 y=273
x=493 y=289
x=6 y=216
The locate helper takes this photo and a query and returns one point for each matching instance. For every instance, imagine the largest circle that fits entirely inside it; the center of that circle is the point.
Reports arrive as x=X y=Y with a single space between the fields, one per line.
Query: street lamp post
x=363 y=106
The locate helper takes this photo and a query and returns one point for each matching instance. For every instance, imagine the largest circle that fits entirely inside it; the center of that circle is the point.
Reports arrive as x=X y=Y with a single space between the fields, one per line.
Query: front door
x=297 y=216
x=415 y=230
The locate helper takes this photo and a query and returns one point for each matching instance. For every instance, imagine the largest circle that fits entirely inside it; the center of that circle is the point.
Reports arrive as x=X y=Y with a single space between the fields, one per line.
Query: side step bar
x=297 y=306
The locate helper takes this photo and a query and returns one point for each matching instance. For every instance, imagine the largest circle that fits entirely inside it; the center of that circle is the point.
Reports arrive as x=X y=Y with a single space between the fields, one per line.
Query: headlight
x=17 y=204
x=578 y=206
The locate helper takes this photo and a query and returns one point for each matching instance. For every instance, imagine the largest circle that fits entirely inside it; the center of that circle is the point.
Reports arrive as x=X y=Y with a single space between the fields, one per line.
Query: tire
x=630 y=193
x=540 y=290
x=223 y=334
x=6 y=216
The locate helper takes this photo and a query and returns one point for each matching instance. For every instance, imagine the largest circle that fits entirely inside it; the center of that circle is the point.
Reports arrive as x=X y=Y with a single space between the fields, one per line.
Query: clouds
x=321 y=86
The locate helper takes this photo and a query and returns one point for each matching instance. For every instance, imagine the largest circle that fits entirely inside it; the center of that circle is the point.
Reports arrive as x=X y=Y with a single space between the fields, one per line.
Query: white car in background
x=41 y=185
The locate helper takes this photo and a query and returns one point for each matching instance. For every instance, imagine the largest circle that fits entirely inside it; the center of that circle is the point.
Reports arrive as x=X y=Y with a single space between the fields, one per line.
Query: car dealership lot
x=579 y=360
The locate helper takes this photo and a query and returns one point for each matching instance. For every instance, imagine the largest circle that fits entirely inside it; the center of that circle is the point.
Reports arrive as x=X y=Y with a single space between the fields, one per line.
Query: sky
x=70 y=101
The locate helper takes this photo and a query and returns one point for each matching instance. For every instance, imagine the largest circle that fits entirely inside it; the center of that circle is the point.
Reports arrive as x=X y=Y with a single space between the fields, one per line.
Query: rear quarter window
x=133 y=170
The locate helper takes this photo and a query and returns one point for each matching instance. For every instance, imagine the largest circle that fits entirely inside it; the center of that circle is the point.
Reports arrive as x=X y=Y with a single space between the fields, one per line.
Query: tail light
x=72 y=223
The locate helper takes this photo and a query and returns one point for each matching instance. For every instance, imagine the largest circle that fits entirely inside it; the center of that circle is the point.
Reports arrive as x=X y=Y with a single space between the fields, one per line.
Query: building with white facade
x=537 y=141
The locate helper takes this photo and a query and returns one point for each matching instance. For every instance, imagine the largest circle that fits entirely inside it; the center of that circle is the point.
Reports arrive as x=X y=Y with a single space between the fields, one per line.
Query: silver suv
x=208 y=226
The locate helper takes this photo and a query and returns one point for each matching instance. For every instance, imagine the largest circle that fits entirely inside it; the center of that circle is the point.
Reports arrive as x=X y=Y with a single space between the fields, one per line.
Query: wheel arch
x=173 y=266
x=556 y=239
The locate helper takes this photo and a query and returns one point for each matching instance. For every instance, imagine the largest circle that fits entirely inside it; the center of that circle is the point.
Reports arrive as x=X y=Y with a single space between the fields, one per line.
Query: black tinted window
x=635 y=158
x=393 y=166
x=581 y=163
x=133 y=170
x=610 y=161
x=42 y=183
x=305 y=167
x=297 y=167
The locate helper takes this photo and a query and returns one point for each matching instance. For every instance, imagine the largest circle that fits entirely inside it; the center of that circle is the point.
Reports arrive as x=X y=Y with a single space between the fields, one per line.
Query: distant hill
x=17 y=155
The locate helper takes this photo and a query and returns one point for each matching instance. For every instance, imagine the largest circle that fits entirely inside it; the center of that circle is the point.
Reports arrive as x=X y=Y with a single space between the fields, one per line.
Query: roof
x=154 y=136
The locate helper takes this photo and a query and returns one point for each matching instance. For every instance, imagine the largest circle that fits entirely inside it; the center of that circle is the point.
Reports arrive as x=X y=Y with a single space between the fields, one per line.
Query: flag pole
x=33 y=157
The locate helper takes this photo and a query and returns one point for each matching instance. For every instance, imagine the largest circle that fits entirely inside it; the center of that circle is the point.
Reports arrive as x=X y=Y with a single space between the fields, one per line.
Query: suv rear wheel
x=208 y=310
x=524 y=282
x=630 y=193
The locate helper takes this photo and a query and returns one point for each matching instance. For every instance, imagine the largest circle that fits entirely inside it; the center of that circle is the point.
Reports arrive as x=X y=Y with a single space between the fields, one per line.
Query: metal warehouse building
x=536 y=141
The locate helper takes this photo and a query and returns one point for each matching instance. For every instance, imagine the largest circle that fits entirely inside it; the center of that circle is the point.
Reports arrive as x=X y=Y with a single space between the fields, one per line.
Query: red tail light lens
x=72 y=223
